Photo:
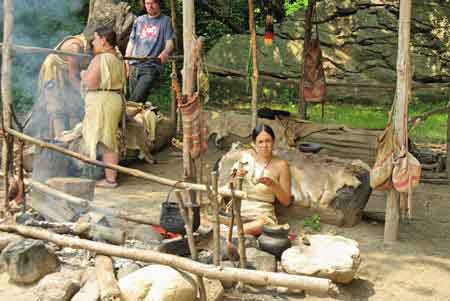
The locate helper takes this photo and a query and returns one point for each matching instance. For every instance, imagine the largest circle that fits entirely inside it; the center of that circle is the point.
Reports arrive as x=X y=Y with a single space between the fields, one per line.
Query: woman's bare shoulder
x=280 y=163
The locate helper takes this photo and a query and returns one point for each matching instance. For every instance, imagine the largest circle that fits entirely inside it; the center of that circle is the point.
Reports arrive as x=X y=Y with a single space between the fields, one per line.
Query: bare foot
x=104 y=183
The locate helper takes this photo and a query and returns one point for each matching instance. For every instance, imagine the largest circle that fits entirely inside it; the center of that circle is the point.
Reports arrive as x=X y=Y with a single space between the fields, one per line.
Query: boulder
x=89 y=290
x=260 y=260
x=61 y=286
x=127 y=269
x=28 y=260
x=334 y=257
x=158 y=282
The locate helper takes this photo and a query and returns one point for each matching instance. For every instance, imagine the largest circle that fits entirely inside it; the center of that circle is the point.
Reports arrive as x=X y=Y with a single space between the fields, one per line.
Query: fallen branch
x=87 y=205
x=131 y=171
x=311 y=284
x=86 y=230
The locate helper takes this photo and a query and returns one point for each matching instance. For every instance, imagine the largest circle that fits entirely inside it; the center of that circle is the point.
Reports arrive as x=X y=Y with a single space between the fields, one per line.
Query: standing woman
x=105 y=81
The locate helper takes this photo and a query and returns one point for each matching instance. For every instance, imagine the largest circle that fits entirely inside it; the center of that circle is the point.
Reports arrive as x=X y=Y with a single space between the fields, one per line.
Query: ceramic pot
x=309 y=147
x=274 y=239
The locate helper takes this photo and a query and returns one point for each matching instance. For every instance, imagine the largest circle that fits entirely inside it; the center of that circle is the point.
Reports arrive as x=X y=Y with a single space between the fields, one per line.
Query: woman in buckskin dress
x=264 y=175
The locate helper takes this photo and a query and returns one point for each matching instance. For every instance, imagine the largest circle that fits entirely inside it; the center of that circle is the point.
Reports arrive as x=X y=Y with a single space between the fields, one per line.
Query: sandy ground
x=417 y=267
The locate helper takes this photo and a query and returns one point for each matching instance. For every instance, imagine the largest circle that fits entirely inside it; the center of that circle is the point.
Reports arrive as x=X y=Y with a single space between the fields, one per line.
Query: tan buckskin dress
x=252 y=209
x=104 y=108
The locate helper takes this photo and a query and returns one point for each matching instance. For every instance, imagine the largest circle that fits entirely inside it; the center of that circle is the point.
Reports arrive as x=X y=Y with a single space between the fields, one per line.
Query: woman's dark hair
x=160 y=2
x=108 y=33
x=262 y=128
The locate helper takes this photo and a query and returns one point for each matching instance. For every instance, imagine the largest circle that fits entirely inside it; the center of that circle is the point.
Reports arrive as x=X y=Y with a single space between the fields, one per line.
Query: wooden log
x=310 y=284
x=107 y=283
x=255 y=74
x=131 y=171
x=82 y=229
x=186 y=215
x=8 y=25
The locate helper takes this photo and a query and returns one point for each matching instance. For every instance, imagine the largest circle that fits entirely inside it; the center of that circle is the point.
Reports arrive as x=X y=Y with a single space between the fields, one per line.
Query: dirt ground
x=417 y=267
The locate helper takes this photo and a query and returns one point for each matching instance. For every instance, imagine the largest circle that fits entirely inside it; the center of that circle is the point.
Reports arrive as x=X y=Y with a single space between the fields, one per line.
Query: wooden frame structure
x=402 y=91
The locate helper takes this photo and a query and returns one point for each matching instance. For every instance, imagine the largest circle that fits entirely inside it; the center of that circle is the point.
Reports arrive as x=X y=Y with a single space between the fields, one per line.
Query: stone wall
x=359 y=43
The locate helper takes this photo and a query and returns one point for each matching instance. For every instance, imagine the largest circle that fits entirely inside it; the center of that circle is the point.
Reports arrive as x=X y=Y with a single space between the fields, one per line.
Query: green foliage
x=292 y=6
x=312 y=222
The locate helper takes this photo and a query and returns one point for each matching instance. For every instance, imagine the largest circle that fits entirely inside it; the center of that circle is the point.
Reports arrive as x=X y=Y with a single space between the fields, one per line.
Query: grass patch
x=433 y=129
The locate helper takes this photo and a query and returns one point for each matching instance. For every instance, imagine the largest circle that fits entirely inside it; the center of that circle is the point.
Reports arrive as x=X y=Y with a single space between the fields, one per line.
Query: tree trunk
x=255 y=75
x=8 y=25
x=400 y=111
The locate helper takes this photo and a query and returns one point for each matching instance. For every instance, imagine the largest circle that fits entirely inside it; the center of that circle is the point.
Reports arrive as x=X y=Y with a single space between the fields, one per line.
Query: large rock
x=214 y=289
x=158 y=282
x=61 y=286
x=7 y=238
x=359 y=44
x=28 y=260
x=89 y=290
x=333 y=257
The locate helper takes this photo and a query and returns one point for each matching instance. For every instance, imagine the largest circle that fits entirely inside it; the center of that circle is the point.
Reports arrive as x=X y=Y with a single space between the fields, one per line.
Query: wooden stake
x=8 y=25
x=216 y=226
x=107 y=283
x=186 y=214
x=311 y=284
x=240 y=227
x=255 y=75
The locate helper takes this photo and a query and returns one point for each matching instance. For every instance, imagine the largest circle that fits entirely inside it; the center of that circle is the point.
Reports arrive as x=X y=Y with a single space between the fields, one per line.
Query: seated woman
x=105 y=80
x=264 y=175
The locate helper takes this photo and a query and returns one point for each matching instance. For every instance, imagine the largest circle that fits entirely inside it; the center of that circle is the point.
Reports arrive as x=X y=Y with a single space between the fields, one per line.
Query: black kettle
x=171 y=220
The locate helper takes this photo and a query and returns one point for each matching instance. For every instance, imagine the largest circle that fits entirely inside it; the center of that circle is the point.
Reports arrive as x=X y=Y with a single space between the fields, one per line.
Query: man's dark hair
x=108 y=33
x=160 y=2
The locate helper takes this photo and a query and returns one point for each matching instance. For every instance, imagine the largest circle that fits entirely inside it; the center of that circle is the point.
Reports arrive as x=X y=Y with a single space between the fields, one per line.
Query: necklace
x=254 y=179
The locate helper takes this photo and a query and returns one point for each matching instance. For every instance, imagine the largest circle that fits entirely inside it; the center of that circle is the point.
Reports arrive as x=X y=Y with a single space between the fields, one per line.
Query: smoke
x=41 y=23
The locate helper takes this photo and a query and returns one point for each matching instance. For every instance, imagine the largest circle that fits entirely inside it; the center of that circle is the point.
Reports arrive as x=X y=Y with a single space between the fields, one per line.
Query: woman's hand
x=266 y=181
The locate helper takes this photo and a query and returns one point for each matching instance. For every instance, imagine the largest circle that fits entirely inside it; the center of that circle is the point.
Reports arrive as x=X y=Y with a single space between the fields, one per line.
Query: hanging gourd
x=268 y=32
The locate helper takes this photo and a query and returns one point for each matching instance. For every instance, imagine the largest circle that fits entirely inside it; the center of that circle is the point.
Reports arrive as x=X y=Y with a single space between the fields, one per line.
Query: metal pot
x=274 y=239
x=172 y=221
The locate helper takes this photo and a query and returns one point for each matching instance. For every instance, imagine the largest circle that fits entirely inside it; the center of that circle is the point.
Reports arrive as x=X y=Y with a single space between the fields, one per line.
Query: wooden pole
x=216 y=226
x=255 y=75
x=187 y=215
x=448 y=137
x=8 y=24
x=173 y=105
x=311 y=284
x=133 y=172
x=400 y=117
x=188 y=75
x=240 y=227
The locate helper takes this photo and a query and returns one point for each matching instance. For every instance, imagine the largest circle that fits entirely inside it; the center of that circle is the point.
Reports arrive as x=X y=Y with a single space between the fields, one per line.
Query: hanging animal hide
x=313 y=77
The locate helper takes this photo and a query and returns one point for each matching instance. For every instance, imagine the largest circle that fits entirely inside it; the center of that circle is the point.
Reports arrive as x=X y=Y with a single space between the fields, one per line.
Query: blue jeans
x=142 y=80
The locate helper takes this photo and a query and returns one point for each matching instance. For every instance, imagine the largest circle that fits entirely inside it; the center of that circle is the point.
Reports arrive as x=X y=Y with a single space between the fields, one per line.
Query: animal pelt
x=315 y=178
